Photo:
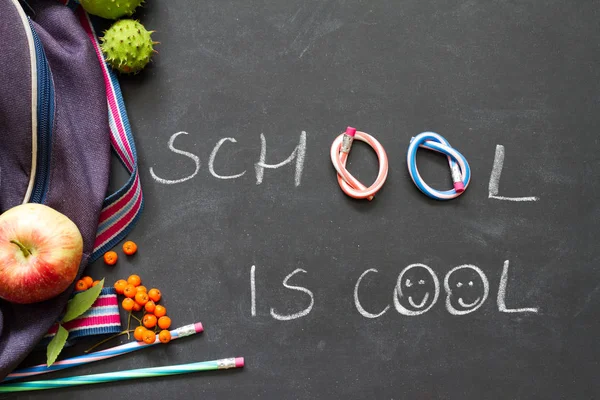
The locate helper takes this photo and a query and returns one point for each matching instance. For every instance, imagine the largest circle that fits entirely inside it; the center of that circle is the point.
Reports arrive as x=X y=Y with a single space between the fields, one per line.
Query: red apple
x=40 y=252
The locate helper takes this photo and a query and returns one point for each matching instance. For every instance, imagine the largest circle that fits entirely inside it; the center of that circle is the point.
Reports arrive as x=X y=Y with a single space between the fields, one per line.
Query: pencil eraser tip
x=350 y=131
x=239 y=362
x=459 y=187
x=198 y=327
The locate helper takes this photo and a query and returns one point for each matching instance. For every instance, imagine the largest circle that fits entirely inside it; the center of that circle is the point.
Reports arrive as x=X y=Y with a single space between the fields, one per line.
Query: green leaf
x=56 y=345
x=82 y=302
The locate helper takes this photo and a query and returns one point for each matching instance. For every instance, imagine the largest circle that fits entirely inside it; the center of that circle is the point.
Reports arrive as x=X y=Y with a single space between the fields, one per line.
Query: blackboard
x=511 y=81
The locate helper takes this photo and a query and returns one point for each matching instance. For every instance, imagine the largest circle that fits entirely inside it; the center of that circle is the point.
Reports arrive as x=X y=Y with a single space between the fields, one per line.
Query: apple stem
x=24 y=249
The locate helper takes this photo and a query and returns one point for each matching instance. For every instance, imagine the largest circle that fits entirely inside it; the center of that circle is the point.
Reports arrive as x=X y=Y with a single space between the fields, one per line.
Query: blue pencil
x=180 y=332
x=225 y=363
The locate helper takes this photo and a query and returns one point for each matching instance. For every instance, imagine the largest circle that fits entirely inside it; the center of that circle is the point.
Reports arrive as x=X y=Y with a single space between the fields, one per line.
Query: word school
x=298 y=157
x=416 y=291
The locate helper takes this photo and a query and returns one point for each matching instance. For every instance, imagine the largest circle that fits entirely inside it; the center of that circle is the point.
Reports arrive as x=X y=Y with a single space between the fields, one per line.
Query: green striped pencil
x=225 y=363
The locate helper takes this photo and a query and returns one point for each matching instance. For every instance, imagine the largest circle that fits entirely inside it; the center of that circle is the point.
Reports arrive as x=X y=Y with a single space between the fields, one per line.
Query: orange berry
x=164 y=336
x=134 y=280
x=110 y=258
x=160 y=311
x=142 y=289
x=95 y=283
x=120 y=285
x=138 y=333
x=164 y=322
x=137 y=307
x=81 y=285
x=150 y=306
x=141 y=298
x=129 y=248
x=127 y=304
x=88 y=280
x=130 y=291
x=154 y=295
x=149 y=321
x=149 y=337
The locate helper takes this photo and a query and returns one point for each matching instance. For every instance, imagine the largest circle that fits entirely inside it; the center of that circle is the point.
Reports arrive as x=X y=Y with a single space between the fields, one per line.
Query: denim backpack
x=61 y=110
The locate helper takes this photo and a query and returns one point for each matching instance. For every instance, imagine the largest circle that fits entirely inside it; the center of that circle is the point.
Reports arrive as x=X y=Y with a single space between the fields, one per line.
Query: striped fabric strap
x=102 y=318
x=122 y=209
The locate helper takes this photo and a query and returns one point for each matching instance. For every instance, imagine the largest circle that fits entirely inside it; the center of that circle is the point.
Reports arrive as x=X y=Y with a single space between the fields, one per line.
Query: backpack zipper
x=45 y=117
x=34 y=96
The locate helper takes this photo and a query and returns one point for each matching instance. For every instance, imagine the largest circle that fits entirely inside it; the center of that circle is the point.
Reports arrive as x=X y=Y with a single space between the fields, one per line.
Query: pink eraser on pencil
x=459 y=187
x=239 y=362
x=198 y=327
x=350 y=131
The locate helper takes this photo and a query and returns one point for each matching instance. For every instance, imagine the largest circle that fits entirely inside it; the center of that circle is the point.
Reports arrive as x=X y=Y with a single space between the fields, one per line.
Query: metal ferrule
x=226 y=363
x=186 y=330
x=456 y=175
x=346 y=143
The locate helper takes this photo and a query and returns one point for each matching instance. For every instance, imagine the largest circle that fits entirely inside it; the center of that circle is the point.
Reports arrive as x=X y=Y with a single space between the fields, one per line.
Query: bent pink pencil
x=183 y=331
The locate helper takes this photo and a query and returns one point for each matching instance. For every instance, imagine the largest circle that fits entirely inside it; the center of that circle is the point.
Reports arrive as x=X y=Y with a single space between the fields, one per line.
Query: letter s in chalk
x=300 y=289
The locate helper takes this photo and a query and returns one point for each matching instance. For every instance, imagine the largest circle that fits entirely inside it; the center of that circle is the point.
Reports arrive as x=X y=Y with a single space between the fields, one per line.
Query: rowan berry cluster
x=85 y=283
x=154 y=318
x=111 y=257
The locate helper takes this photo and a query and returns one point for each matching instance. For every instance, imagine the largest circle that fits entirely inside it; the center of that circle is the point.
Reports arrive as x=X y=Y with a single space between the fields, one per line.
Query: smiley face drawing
x=467 y=288
x=417 y=290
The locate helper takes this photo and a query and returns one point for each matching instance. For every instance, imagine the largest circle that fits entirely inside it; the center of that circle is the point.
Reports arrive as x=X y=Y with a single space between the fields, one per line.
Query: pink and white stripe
x=122 y=209
x=103 y=315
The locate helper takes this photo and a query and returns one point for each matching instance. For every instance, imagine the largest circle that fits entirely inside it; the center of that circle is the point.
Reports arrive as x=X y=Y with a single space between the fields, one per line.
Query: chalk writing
x=359 y=307
x=253 y=290
x=298 y=154
x=299 y=314
x=466 y=288
x=424 y=282
x=494 y=185
x=416 y=291
x=213 y=155
x=184 y=153
x=502 y=295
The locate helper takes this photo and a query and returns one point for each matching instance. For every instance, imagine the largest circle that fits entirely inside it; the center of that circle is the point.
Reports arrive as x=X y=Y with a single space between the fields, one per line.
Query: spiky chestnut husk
x=127 y=46
x=110 y=9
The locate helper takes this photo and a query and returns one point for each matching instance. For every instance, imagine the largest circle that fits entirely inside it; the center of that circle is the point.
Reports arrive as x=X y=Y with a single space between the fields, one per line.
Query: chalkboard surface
x=284 y=269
